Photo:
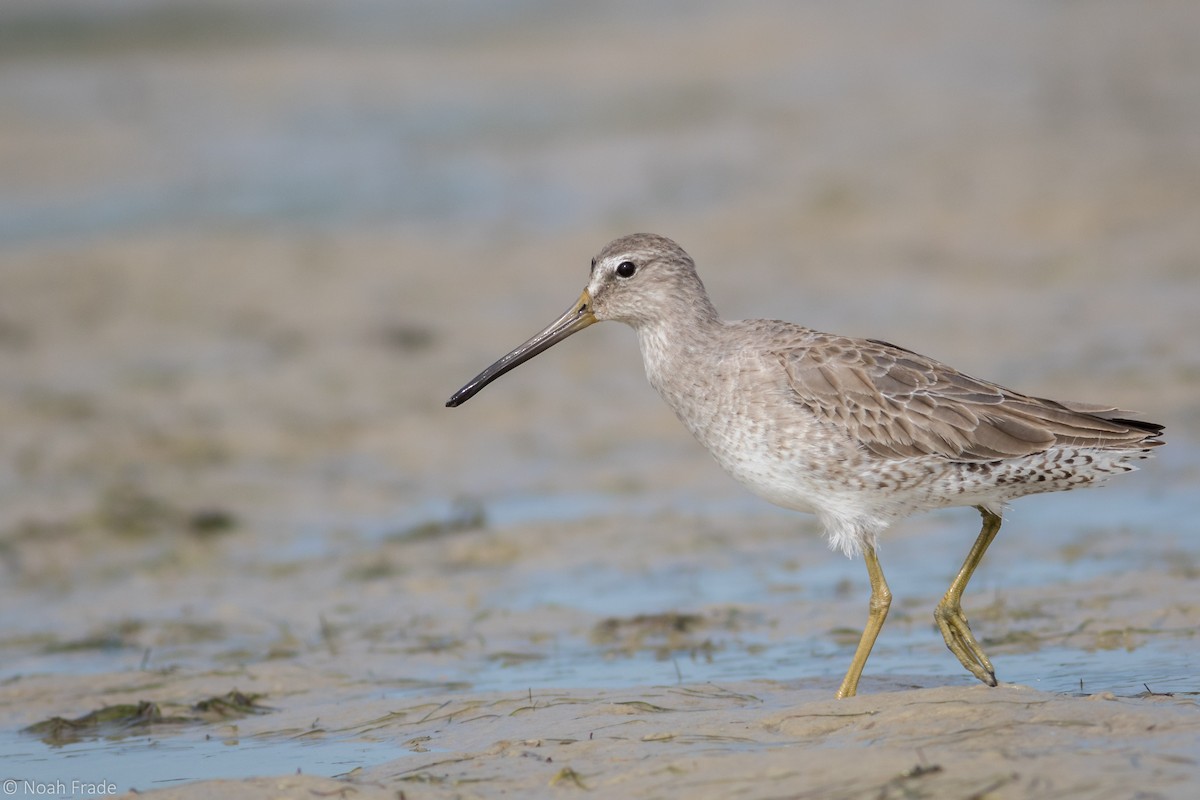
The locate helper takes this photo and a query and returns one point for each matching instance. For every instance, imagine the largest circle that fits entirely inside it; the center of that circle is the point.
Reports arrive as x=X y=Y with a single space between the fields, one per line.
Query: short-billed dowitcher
x=860 y=432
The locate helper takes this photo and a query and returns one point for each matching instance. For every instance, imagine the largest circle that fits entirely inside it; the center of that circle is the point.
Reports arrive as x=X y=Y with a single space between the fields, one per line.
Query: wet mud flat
x=245 y=550
x=642 y=655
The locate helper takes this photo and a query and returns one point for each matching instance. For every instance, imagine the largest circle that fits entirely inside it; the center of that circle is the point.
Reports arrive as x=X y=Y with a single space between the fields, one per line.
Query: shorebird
x=860 y=432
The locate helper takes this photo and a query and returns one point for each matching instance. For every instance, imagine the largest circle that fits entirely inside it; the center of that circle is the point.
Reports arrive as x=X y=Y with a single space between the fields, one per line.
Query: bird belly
x=787 y=466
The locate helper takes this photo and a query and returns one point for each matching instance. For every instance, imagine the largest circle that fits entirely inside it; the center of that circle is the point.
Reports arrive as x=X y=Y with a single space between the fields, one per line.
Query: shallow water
x=1073 y=531
x=155 y=762
x=248 y=250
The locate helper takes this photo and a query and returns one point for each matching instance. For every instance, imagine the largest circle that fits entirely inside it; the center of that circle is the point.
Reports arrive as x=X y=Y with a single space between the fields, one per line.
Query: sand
x=246 y=255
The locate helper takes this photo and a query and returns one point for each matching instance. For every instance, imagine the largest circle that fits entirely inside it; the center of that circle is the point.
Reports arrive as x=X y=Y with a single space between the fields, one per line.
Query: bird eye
x=626 y=269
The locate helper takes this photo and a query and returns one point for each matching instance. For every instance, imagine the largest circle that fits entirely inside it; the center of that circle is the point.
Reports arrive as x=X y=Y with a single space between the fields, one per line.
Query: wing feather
x=900 y=404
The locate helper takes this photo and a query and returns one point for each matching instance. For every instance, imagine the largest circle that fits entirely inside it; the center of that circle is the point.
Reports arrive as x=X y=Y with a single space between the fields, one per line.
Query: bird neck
x=675 y=346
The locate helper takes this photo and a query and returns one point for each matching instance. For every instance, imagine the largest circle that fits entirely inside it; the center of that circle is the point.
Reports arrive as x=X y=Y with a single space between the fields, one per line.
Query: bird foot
x=957 y=633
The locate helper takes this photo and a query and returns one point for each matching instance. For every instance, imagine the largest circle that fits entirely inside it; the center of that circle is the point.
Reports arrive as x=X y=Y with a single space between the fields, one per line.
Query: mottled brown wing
x=900 y=404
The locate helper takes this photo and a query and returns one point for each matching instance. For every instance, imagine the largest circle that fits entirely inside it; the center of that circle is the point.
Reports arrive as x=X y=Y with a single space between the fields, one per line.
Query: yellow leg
x=949 y=614
x=881 y=600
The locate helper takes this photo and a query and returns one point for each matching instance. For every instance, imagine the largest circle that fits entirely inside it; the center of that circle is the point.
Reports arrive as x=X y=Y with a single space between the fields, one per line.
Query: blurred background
x=240 y=240
x=249 y=247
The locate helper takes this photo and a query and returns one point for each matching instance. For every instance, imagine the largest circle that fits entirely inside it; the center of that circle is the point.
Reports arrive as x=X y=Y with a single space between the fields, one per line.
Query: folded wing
x=900 y=404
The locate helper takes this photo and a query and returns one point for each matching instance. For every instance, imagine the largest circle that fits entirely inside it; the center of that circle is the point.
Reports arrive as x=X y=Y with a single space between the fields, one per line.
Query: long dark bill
x=578 y=317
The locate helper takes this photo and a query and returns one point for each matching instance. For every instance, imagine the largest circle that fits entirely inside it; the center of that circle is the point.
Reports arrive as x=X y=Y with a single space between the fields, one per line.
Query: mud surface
x=248 y=250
